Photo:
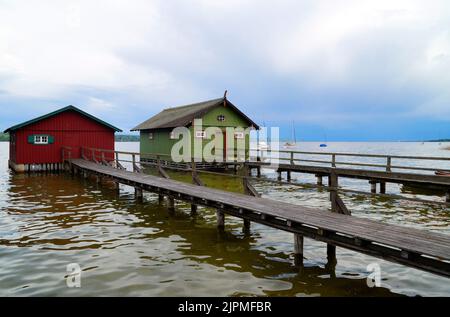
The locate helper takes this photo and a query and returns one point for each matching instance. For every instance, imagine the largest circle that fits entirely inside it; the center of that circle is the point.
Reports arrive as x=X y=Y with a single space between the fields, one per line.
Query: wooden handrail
x=442 y=158
x=293 y=159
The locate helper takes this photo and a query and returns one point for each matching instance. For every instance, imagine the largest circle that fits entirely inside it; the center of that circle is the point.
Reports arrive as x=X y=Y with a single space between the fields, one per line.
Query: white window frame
x=221 y=116
x=239 y=135
x=41 y=139
x=200 y=134
x=150 y=136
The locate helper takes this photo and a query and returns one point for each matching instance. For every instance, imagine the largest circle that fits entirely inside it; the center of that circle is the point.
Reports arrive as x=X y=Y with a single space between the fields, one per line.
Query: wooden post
x=373 y=187
x=333 y=160
x=388 y=164
x=279 y=175
x=193 y=209
x=258 y=171
x=247 y=225
x=292 y=158
x=319 y=180
x=220 y=219
x=289 y=176
x=117 y=160
x=447 y=197
x=134 y=162
x=170 y=204
x=298 y=249
x=138 y=193
x=383 y=187
x=333 y=183
x=160 y=199
x=331 y=255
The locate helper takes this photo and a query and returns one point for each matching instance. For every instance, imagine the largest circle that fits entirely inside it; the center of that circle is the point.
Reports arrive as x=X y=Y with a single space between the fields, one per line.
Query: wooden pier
x=415 y=248
x=374 y=177
x=376 y=174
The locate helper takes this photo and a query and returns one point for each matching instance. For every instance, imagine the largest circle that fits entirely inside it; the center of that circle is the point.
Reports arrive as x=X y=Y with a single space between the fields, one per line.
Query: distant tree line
x=127 y=138
x=4 y=137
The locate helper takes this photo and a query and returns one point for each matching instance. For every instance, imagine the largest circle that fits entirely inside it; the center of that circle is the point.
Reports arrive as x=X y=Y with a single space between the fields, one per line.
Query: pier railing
x=331 y=159
x=334 y=159
x=122 y=159
x=281 y=157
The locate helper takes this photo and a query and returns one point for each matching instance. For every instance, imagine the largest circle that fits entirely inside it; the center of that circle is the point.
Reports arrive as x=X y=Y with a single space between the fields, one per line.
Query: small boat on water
x=323 y=145
x=292 y=143
x=442 y=173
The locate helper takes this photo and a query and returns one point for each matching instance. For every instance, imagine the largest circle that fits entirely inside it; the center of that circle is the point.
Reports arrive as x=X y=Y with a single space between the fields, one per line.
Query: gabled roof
x=54 y=113
x=183 y=116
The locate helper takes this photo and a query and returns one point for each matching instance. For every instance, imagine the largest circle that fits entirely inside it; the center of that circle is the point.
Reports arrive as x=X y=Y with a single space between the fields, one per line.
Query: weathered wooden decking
x=420 y=249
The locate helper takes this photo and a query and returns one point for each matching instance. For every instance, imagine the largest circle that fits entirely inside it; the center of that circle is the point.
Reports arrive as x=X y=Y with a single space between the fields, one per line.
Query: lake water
x=126 y=248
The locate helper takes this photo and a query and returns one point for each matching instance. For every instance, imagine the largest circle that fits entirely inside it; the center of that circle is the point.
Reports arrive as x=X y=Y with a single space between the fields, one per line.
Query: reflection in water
x=128 y=248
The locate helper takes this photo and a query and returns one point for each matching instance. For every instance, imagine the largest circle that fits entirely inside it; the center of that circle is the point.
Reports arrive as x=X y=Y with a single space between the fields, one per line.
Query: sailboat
x=294 y=142
x=262 y=145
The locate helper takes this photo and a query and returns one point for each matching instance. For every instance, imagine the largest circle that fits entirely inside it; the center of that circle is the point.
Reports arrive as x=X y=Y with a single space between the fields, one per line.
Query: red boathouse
x=36 y=145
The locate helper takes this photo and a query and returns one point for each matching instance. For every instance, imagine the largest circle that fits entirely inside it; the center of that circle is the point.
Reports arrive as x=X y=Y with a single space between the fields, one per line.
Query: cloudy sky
x=347 y=70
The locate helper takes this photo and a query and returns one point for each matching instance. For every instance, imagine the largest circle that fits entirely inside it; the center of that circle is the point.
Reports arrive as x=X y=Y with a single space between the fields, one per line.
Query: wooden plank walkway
x=412 y=247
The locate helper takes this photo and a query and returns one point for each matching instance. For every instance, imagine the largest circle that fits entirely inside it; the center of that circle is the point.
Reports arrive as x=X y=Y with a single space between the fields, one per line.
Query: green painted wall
x=162 y=144
x=232 y=119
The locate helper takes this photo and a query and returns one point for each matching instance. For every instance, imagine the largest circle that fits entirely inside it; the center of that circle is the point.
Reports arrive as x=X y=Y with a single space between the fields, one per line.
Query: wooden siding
x=68 y=129
x=162 y=143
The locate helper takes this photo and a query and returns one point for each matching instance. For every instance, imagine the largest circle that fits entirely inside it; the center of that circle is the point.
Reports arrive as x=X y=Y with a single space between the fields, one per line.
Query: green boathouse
x=157 y=135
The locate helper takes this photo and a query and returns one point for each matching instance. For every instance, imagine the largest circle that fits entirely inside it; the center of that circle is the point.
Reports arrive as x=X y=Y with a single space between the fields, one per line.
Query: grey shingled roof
x=184 y=115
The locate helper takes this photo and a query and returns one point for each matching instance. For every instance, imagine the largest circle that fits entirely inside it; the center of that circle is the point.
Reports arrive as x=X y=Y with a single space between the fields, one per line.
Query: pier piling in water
x=373 y=187
x=171 y=204
x=193 y=209
x=220 y=219
x=319 y=180
x=246 y=227
x=298 y=249
x=138 y=193
x=382 y=188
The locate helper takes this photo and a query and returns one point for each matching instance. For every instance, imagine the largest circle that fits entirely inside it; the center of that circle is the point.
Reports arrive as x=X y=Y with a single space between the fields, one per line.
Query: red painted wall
x=68 y=129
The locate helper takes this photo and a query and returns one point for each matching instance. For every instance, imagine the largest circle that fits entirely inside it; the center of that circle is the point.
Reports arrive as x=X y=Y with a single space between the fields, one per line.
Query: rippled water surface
x=127 y=248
